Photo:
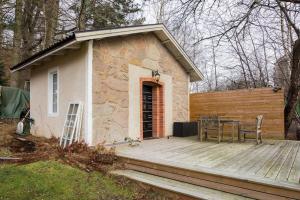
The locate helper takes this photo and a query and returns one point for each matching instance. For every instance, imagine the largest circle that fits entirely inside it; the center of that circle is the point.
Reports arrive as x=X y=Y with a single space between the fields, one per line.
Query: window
x=27 y=85
x=53 y=93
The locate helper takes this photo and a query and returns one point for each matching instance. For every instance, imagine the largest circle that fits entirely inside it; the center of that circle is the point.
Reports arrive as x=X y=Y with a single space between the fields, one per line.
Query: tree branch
x=296 y=29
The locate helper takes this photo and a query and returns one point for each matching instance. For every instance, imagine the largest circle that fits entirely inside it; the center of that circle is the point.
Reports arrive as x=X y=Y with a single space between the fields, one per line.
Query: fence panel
x=243 y=105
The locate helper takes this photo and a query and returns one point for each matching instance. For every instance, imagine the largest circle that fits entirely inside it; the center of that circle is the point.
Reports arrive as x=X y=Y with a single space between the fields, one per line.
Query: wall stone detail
x=111 y=58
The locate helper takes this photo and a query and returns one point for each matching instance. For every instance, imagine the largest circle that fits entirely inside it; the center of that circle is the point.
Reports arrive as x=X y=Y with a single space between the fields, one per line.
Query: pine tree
x=3 y=79
x=97 y=14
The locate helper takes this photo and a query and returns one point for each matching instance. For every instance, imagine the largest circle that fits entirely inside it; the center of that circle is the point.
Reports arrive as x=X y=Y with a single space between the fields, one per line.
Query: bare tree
x=27 y=26
x=257 y=31
x=17 y=30
x=81 y=24
x=51 y=10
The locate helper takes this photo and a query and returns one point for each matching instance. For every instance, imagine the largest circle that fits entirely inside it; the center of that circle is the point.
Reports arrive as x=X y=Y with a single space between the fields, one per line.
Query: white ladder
x=72 y=125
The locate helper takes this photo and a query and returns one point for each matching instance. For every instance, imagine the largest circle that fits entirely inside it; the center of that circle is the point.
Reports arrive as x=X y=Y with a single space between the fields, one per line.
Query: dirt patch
x=89 y=159
x=27 y=149
x=7 y=128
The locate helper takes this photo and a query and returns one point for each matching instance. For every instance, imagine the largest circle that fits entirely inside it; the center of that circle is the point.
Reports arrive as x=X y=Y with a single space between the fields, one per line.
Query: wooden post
x=232 y=134
x=200 y=128
x=219 y=138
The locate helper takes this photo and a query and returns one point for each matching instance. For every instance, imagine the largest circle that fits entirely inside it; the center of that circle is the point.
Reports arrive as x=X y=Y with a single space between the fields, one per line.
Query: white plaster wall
x=72 y=88
x=135 y=73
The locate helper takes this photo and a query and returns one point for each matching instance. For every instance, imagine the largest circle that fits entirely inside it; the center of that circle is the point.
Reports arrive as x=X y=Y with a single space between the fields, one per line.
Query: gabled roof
x=72 y=41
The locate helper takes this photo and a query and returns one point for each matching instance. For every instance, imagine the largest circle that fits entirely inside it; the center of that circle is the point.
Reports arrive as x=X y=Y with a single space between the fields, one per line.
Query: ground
x=42 y=170
x=55 y=180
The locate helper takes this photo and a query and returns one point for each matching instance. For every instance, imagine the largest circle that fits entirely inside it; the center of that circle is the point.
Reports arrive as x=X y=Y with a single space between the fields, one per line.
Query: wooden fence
x=243 y=105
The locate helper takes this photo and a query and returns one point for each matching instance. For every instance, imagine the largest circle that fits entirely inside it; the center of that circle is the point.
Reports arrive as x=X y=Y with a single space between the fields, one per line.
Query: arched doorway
x=152 y=108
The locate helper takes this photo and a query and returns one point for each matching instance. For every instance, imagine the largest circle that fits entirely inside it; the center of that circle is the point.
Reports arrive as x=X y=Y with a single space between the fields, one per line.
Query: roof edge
x=101 y=34
x=80 y=36
x=189 y=60
x=104 y=33
x=51 y=49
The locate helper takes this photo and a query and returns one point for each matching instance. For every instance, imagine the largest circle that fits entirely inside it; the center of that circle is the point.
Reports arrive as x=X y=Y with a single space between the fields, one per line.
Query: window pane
x=54 y=108
x=54 y=92
x=54 y=99
x=54 y=77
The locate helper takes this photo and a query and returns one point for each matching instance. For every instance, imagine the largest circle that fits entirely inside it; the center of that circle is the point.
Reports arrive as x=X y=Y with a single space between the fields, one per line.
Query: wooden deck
x=184 y=189
x=273 y=162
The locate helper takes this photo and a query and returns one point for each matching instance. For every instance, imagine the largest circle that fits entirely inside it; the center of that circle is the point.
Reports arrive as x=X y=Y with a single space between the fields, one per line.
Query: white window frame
x=50 y=94
x=27 y=85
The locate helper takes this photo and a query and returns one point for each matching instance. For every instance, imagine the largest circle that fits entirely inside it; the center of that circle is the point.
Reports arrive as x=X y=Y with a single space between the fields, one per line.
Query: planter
x=298 y=133
x=185 y=129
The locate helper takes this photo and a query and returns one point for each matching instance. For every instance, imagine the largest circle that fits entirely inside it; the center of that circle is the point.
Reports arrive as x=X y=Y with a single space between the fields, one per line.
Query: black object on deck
x=185 y=129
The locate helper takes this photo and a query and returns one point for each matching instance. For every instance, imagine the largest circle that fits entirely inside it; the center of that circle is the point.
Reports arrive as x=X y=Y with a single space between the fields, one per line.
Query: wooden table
x=234 y=123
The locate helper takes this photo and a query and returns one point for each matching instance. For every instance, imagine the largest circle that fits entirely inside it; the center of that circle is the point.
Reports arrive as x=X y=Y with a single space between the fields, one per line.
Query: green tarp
x=298 y=108
x=12 y=101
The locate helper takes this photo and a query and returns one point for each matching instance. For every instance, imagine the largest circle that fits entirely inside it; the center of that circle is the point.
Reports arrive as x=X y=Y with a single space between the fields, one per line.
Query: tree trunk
x=1 y=26
x=293 y=90
x=17 y=31
x=51 y=8
x=215 y=65
x=82 y=16
x=17 y=41
x=31 y=15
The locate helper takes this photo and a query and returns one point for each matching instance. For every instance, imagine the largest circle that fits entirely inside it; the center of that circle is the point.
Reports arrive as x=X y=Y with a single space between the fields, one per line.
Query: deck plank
x=193 y=147
x=197 y=151
x=288 y=164
x=177 y=144
x=227 y=157
x=277 y=166
x=246 y=161
x=223 y=154
x=263 y=158
x=193 y=159
x=273 y=160
x=239 y=159
x=268 y=165
x=294 y=175
x=177 y=186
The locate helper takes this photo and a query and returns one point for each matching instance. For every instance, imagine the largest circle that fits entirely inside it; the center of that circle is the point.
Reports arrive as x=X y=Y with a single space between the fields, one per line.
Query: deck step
x=229 y=184
x=185 y=189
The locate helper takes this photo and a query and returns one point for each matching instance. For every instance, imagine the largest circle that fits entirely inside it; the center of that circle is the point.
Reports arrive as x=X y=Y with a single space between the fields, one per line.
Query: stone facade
x=111 y=60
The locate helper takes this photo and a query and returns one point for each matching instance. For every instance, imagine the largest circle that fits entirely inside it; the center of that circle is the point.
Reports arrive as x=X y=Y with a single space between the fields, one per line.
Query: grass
x=45 y=180
x=4 y=152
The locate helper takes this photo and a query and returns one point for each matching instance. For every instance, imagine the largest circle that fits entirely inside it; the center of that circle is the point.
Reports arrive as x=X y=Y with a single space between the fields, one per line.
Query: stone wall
x=111 y=58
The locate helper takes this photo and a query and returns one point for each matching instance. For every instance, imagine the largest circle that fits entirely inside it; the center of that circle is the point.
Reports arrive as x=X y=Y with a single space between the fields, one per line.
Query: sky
x=262 y=44
x=203 y=58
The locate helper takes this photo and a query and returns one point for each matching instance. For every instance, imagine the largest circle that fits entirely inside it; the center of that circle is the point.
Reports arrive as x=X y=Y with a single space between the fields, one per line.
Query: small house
x=132 y=81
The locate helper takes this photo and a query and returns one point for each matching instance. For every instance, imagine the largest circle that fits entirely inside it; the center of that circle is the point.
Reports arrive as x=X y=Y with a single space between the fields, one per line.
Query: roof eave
x=158 y=29
x=89 y=35
x=196 y=75
x=44 y=53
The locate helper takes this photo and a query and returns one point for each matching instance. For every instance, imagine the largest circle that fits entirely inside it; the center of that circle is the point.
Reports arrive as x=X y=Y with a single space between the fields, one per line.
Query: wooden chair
x=255 y=129
x=211 y=123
